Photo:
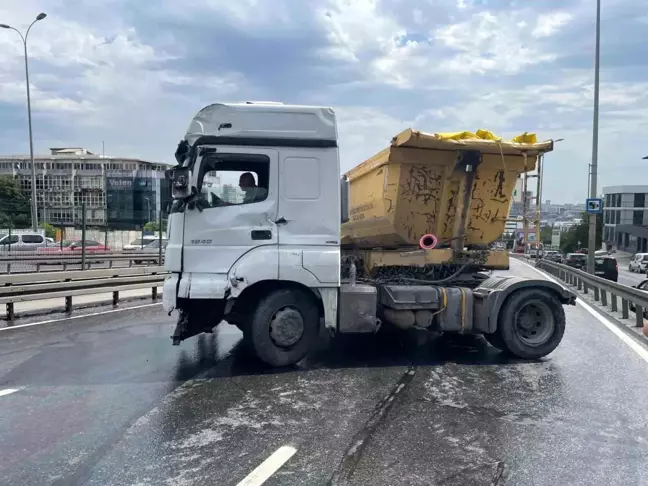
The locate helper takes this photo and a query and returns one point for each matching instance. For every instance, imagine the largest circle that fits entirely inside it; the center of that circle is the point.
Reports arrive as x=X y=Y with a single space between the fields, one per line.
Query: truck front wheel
x=284 y=328
x=531 y=323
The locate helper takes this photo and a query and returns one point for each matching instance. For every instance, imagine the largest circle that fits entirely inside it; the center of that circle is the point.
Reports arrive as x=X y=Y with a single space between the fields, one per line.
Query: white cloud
x=489 y=42
x=548 y=24
x=355 y=27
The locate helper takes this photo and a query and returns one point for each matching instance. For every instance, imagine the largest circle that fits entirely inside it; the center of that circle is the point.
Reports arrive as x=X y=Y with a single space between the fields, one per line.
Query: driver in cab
x=247 y=184
x=253 y=193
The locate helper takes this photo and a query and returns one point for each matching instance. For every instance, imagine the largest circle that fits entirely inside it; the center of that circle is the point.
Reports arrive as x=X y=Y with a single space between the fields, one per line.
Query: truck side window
x=232 y=187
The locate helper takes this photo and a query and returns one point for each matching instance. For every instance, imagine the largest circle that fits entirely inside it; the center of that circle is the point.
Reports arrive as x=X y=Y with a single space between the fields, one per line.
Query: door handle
x=261 y=234
x=281 y=220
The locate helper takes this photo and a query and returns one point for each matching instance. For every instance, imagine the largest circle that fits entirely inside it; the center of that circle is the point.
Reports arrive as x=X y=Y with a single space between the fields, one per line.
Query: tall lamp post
x=595 y=129
x=34 y=211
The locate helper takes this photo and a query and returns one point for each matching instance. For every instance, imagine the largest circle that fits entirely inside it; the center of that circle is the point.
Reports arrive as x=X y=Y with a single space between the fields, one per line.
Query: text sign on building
x=119 y=183
x=594 y=205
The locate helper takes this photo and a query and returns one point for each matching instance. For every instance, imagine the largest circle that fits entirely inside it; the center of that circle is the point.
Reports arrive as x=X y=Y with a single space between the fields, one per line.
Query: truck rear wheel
x=531 y=323
x=284 y=328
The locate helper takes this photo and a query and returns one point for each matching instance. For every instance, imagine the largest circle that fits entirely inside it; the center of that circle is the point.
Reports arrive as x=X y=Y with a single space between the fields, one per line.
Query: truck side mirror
x=344 y=198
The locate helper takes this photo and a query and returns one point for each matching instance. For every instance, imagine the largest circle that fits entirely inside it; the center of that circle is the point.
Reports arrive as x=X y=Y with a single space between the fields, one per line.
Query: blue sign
x=594 y=206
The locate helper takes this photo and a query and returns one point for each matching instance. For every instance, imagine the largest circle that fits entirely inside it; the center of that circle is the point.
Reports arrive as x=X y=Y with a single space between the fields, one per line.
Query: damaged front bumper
x=199 y=299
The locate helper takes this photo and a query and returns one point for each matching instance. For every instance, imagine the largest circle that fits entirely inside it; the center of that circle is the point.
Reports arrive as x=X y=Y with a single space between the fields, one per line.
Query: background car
x=68 y=246
x=638 y=263
x=139 y=244
x=606 y=267
x=151 y=250
x=576 y=260
x=22 y=242
x=641 y=286
x=553 y=256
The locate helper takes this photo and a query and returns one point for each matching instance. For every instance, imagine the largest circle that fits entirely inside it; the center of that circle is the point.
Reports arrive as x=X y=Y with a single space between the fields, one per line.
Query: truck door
x=309 y=215
x=232 y=221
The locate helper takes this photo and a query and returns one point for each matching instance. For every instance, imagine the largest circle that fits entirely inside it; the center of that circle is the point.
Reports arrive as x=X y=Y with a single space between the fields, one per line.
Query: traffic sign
x=594 y=206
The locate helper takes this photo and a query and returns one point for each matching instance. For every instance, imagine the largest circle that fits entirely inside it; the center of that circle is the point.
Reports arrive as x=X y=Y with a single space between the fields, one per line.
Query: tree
x=14 y=205
x=50 y=231
x=154 y=226
x=545 y=235
x=580 y=233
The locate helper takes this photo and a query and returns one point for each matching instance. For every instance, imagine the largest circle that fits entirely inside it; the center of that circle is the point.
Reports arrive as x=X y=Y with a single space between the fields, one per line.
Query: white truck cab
x=257 y=206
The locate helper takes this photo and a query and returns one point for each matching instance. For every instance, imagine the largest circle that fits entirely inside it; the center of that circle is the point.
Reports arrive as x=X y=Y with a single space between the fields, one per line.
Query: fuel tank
x=457 y=187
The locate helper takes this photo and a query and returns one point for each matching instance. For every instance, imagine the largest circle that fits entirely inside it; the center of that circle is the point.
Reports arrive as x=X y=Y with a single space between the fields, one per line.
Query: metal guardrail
x=605 y=291
x=44 y=260
x=52 y=285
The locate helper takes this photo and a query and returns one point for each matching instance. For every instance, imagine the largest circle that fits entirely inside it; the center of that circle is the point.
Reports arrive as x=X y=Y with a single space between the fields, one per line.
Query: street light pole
x=595 y=129
x=34 y=210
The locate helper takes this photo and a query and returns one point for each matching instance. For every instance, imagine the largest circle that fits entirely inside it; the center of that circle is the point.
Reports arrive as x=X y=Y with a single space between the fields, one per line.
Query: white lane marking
x=8 y=328
x=268 y=467
x=8 y=391
x=631 y=343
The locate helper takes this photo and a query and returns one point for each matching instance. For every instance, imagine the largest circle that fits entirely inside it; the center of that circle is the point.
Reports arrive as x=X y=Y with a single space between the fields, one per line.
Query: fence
x=28 y=263
x=22 y=251
x=35 y=286
x=605 y=291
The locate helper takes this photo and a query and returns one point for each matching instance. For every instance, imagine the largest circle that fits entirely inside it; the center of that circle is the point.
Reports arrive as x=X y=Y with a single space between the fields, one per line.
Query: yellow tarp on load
x=483 y=140
x=524 y=138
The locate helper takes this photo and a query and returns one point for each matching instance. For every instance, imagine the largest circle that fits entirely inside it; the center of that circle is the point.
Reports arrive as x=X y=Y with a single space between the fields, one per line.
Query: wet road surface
x=106 y=400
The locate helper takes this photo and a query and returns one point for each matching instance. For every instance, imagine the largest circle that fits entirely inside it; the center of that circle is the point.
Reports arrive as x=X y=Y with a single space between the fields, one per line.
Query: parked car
x=553 y=256
x=151 y=250
x=576 y=260
x=22 y=242
x=606 y=267
x=69 y=246
x=638 y=263
x=641 y=286
x=139 y=244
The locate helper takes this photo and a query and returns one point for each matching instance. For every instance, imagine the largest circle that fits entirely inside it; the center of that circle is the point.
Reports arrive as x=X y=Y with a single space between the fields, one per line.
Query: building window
x=637 y=218
x=639 y=200
x=618 y=216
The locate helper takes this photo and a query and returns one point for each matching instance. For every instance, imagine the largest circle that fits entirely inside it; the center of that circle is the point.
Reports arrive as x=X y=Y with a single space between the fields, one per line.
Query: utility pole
x=34 y=209
x=595 y=129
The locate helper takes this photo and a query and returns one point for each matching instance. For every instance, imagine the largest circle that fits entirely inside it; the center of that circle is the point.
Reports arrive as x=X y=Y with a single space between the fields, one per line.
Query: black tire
x=495 y=340
x=531 y=323
x=294 y=305
x=137 y=262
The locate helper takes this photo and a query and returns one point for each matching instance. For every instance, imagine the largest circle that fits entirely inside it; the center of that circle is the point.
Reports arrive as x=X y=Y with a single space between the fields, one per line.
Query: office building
x=117 y=192
x=625 y=217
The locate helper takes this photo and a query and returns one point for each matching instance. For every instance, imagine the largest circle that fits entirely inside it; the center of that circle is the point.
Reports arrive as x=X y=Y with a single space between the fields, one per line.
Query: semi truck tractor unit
x=265 y=235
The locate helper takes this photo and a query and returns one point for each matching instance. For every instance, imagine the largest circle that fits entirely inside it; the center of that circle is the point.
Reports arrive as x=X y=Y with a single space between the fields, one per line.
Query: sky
x=132 y=74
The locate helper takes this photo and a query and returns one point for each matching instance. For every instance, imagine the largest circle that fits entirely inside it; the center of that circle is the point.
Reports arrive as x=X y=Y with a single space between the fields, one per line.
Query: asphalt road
x=106 y=400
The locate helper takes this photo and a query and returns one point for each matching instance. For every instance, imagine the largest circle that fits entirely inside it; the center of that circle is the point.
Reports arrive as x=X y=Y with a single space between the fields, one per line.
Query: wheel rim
x=534 y=323
x=286 y=327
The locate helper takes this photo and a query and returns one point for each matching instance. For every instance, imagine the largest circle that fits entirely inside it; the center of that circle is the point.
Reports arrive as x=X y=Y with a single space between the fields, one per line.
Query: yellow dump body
x=423 y=184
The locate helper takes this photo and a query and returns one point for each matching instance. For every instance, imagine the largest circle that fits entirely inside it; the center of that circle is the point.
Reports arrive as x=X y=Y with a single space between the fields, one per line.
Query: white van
x=22 y=242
